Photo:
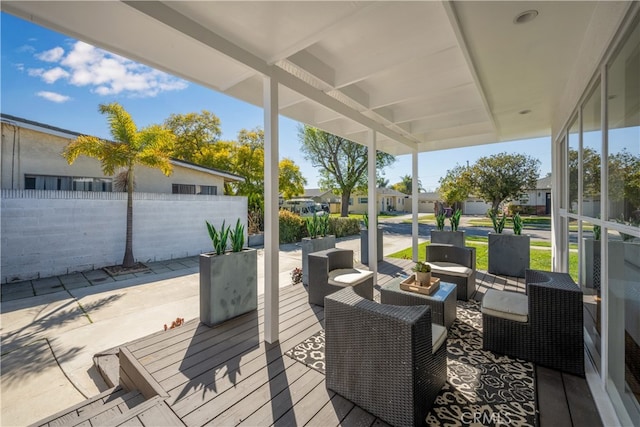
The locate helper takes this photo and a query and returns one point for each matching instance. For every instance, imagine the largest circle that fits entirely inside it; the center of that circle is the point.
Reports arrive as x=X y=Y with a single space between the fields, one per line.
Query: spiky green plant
x=517 y=224
x=421 y=267
x=237 y=237
x=323 y=228
x=218 y=237
x=365 y=220
x=313 y=226
x=440 y=218
x=455 y=220
x=498 y=222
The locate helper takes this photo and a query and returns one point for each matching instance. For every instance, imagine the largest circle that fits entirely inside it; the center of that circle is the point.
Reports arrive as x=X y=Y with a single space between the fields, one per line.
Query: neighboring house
x=475 y=206
x=426 y=202
x=537 y=200
x=320 y=196
x=387 y=200
x=31 y=160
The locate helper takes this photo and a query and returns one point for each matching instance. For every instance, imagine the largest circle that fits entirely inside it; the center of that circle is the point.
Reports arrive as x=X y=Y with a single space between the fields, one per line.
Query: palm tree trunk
x=128 y=260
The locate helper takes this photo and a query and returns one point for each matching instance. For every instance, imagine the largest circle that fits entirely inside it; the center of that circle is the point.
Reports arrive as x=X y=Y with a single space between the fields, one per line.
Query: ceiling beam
x=190 y=28
x=457 y=29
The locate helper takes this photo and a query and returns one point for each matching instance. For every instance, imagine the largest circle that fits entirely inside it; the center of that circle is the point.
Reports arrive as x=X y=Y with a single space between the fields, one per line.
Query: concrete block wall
x=47 y=233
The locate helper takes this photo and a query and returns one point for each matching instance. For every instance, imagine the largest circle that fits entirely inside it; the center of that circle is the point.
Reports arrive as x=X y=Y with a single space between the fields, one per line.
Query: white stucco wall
x=47 y=233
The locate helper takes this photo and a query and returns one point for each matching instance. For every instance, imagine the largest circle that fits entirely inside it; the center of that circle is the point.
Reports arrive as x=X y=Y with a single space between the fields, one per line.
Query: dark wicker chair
x=553 y=336
x=322 y=263
x=439 y=255
x=380 y=357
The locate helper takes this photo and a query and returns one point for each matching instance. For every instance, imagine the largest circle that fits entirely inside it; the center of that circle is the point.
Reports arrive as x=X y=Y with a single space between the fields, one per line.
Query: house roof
x=544 y=182
x=425 y=75
x=315 y=192
x=390 y=192
x=64 y=133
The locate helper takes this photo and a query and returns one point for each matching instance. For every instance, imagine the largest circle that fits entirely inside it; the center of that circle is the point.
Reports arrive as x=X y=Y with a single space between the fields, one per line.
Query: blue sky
x=54 y=79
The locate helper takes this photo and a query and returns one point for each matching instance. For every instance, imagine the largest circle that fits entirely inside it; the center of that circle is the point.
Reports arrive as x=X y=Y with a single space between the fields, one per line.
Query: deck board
x=228 y=375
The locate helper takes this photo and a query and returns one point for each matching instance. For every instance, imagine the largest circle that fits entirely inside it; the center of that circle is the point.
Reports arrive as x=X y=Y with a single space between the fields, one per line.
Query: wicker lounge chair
x=544 y=327
x=454 y=264
x=381 y=357
x=331 y=270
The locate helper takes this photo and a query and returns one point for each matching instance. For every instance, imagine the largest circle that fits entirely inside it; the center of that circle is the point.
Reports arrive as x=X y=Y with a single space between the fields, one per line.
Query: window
x=363 y=200
x=591 y=154
x=67 y=183
x=574 y=148
x=209 y=190
x=350 y=201
x=183 y=189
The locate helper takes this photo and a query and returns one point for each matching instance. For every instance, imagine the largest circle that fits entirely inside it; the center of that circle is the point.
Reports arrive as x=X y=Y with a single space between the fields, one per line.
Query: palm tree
x=150 y=147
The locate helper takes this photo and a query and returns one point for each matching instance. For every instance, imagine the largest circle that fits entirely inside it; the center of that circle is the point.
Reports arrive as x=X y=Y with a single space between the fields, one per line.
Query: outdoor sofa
x=389 y=360
x=454 y=264
x=545 y=326
x=331 y=270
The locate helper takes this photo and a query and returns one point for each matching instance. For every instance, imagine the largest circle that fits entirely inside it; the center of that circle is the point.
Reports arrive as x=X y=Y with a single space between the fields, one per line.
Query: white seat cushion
x=348 y=276
x=450 y=268
x=438 y=336
x=506 y=305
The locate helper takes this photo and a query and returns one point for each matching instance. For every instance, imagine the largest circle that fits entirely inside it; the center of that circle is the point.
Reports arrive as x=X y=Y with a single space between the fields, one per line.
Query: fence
x=46 y=233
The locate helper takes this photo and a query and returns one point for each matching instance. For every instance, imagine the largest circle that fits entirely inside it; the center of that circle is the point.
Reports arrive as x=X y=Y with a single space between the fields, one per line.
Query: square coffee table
x=442 y=301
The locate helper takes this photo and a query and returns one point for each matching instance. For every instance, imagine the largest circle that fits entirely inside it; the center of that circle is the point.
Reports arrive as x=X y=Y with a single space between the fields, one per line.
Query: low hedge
x=293 y=227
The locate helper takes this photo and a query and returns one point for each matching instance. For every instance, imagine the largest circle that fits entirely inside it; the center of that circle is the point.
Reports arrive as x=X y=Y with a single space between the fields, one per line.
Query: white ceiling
x=432 y=74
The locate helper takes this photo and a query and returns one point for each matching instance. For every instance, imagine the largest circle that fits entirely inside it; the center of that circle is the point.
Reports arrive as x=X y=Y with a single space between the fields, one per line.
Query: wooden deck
x=228 y=375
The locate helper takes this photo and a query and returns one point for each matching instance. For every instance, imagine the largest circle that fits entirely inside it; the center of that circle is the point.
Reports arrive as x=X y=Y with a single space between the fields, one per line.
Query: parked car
x=303 y=207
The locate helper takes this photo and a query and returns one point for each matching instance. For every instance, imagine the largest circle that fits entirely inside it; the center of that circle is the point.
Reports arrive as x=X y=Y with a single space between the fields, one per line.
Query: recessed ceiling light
x=523 y=112
x=524 y=17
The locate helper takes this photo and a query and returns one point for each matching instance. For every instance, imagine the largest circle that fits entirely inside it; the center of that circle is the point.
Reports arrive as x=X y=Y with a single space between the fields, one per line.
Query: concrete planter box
x=455 y=238
x=309 y=246
x=256 y=240
x=364 y=245
x=590 y=263
x=228 y=285
x=509 y=254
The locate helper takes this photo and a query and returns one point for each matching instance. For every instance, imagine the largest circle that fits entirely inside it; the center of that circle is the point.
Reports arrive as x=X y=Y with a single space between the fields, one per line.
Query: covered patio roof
x=425 y=75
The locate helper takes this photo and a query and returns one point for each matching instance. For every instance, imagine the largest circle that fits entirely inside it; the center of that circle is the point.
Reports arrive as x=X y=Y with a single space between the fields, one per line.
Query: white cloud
x=19 y=67
x=50 y=76
x=51 y=55
x=103 y=72
x=26 y=48
x=53 y=97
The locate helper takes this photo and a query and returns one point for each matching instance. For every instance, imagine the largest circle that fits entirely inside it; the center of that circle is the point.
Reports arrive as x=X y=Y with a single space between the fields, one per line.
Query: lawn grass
x=528 y=221
x=540 y=259
x=538 y=243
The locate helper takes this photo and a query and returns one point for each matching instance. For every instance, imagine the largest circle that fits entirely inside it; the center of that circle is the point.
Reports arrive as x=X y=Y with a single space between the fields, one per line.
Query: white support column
x=414 y=204
x=372 y=206
x=271 y=228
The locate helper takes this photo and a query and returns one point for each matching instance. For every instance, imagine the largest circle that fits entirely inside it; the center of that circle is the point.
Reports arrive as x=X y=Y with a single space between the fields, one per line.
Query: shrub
x=237 y=237
x=341 y=227
x=514 y=209
x=291 y=227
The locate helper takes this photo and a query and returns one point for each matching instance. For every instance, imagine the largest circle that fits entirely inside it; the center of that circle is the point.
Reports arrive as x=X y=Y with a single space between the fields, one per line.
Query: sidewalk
x=52 y=327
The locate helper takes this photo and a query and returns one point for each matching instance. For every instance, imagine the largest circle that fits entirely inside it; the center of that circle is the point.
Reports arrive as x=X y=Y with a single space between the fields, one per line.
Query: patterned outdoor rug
x=482 y=388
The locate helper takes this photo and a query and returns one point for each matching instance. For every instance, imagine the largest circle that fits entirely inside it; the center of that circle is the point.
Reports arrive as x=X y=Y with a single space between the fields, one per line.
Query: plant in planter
x=509 y=254
x=228 y=278
x=364 y=241
x=318 y=240
x=453 y=237
x=423 y=273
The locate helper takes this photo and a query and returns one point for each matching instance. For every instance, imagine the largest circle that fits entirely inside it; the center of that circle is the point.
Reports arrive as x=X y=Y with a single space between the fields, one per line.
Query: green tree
x=624 y=181
x=456 y=185
x=194 y=133
x=151 y=146
x=245 y=157
x=342 y=163
x=503 y=177
x=406 y=185
x=382 y=182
